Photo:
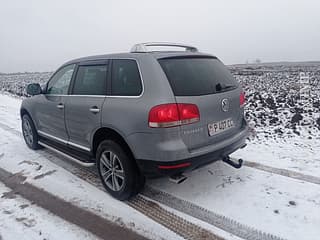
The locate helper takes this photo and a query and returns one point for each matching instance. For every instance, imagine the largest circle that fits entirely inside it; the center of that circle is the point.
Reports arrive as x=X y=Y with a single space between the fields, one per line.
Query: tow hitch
x=232 y=161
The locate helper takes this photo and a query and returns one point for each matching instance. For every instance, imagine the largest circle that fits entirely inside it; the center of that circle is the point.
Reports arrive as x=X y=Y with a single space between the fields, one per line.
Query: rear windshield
x=197 y=76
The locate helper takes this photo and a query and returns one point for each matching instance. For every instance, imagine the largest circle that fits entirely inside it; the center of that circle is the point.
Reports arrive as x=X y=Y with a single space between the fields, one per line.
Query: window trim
x=55 y=73
x=108 y=81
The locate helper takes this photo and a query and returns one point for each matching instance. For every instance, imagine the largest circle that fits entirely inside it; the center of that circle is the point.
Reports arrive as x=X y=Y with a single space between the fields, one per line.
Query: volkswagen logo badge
x=225 y=105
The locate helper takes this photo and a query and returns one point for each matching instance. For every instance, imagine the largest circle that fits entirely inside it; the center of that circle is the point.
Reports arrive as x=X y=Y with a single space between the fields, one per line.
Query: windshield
x=197 y=76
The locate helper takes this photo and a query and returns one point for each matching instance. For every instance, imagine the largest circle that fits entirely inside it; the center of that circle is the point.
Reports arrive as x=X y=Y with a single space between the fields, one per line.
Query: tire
x=29 y=132
x=118 y=171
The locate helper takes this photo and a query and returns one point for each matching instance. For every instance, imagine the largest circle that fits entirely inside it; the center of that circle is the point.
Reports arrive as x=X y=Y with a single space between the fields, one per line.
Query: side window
x=91 y=80
x=125 y=80
x=59 y=83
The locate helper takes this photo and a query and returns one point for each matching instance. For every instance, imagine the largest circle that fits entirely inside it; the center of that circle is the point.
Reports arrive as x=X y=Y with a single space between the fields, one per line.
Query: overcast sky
x=39 y=35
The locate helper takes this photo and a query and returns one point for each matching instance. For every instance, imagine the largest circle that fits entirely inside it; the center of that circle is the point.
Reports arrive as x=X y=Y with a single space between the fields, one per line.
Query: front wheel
x=29 y=131
x=118 y=171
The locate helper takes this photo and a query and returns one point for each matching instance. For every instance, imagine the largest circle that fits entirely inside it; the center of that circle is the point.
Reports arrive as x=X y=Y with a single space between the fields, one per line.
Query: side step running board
x=84 y=164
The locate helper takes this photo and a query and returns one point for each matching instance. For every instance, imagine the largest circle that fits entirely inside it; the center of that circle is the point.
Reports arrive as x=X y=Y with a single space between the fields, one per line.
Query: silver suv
x=146 y=113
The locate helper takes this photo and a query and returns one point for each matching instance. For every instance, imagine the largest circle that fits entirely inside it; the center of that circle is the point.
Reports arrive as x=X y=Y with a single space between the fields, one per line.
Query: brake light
x=173 y=114
x=242 y=99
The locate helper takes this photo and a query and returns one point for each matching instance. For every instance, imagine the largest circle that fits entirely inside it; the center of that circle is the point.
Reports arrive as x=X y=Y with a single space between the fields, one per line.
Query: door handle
x=60 y=106
x=94 y=109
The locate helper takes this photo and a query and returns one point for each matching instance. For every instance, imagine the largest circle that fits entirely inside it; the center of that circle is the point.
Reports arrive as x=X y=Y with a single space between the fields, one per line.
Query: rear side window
x=91 y=80
x=197 y=76
x=125 y=80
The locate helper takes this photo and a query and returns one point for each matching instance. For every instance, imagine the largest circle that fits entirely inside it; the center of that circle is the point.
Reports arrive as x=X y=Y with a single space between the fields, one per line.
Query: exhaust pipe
x=178 y=178
x=232 y=162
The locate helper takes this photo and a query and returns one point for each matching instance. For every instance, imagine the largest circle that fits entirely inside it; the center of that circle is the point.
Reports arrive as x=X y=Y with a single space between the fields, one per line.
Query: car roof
x=156 y=54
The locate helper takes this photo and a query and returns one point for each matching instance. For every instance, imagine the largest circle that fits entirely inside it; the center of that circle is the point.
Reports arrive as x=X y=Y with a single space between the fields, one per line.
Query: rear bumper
x=153 y=169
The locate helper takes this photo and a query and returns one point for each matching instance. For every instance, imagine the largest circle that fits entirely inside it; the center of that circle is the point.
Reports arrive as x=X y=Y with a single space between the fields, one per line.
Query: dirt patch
x=292 y=203
x=7 y=212
x=27 y=222
x=44 y=174
x=16 y=177
x=21 y=219
x=23 y=206
x=9 y=195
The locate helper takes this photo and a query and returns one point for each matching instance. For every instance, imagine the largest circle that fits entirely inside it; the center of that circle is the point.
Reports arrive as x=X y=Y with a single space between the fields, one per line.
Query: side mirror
x=34 y=89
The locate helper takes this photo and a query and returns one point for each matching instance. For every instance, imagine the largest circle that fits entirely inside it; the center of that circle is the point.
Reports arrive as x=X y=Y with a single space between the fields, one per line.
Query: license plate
x=221 y=126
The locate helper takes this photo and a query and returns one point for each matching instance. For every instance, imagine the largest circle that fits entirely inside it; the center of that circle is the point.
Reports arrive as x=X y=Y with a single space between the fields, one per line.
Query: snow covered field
x=271 y=202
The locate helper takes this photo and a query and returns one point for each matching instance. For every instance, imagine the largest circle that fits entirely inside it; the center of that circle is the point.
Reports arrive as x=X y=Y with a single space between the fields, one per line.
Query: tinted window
x=91 y=80
x=125 y=78
x=197 y=76
x=59 y=83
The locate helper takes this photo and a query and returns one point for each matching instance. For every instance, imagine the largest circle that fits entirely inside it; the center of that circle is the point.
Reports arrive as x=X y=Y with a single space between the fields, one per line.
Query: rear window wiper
x=223 y=87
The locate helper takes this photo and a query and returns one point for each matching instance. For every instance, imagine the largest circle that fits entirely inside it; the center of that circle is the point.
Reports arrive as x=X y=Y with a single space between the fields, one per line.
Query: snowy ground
x=20 y=219
x=280 y=205
x=296 y=154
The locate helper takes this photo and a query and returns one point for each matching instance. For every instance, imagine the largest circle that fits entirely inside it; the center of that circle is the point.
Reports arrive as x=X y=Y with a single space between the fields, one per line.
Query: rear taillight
x=173 y=114
x=242 y=99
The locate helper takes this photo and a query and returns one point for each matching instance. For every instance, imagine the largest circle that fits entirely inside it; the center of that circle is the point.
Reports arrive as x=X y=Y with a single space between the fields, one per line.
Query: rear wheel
x=30 y=134
x=118 y=171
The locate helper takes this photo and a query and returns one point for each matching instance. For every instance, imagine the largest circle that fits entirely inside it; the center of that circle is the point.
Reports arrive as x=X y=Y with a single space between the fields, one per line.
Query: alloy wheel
x=27 y=131
x=112 y=171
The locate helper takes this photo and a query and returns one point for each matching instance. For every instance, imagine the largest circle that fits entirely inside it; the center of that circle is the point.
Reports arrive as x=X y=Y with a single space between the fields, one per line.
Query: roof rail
x=142 y=47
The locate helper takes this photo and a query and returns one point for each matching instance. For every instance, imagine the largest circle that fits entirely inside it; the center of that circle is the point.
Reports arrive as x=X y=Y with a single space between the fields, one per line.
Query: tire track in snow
x=188 y=208
x=229 y=225
x=170 y=220
x=147 y=207
x=283 y=172
x=217 y=220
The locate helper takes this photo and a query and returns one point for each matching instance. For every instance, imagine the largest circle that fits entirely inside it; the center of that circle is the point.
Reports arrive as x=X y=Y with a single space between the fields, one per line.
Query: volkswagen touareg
x=147 y=113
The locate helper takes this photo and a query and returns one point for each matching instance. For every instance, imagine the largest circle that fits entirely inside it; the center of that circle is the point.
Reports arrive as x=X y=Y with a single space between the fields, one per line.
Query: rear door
x=83 y=107
x=206 y=82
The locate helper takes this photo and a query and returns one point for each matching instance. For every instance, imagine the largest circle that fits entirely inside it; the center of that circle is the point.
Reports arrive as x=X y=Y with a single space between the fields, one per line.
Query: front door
x=83 y=107
x=51 y=109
